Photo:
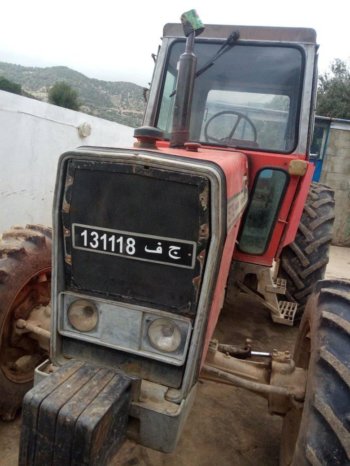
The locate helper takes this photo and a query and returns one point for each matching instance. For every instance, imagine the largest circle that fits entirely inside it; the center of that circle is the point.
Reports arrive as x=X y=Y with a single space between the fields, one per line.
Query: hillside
x=122 y=102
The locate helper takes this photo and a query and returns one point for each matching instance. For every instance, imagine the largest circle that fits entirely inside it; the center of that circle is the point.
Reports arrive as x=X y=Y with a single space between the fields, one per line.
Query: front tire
x=25 y=272
x=319 y=432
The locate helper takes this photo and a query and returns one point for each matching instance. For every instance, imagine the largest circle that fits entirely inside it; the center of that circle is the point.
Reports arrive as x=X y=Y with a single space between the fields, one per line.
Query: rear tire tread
x=342 y=324
x=335 y=424
x=333 y=362
x=303 y=262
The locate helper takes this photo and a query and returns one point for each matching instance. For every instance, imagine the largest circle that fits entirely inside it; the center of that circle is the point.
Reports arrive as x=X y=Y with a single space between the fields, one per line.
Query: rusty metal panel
x=77 y=416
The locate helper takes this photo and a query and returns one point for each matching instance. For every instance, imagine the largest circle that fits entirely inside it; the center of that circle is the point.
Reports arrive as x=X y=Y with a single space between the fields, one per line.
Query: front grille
x=135 y=233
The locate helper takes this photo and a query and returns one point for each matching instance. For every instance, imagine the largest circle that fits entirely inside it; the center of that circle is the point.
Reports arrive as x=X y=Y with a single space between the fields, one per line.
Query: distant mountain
x=118 y=101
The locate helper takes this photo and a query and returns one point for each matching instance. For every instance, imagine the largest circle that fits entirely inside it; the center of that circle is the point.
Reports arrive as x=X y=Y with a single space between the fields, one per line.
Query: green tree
x=333 y=97
x=63 y=95
x=9 y=86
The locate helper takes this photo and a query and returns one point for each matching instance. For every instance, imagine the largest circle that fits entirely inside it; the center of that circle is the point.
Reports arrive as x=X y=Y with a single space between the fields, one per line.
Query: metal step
x=279 y=286
x=287 y=311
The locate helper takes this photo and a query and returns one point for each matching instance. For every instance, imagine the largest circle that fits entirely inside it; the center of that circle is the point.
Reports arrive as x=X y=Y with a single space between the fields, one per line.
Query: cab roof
x=254 y=33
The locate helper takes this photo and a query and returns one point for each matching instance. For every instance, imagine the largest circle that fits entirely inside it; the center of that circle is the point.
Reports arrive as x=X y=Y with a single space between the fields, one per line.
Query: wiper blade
x=226 y=46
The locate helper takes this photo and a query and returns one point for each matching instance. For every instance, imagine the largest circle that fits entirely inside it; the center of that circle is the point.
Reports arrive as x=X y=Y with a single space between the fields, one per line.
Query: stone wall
x=336 y=174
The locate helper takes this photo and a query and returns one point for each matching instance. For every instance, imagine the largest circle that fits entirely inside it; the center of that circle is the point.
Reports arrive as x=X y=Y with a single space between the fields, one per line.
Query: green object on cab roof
x=191 y=23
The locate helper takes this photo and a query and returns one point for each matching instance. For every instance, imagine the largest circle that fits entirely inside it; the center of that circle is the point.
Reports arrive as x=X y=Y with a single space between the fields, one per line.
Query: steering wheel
x=240 y=116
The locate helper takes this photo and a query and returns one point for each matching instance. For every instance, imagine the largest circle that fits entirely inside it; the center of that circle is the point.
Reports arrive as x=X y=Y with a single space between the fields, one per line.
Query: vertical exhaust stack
x=192 y=26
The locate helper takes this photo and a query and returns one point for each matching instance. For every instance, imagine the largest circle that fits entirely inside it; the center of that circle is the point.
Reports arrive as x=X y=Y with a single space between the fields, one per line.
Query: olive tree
x=63 y=95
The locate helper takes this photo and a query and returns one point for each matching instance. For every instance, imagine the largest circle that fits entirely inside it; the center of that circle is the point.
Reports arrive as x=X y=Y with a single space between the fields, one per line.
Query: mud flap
x=77 y=416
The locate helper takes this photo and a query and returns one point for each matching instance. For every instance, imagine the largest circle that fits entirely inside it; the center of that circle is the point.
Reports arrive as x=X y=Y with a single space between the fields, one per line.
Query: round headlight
x=83 y=315
x=164 y=335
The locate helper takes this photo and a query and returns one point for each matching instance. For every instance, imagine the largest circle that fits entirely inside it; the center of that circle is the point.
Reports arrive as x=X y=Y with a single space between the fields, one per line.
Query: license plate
x=136 y=246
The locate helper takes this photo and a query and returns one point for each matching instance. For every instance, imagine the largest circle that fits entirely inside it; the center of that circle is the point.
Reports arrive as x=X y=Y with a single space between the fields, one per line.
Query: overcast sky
x=113 y=40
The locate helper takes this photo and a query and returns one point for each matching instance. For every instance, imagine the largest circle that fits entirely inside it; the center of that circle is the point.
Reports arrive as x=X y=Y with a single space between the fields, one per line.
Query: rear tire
x=303 y=263
x=319 y=432
x=25 y=270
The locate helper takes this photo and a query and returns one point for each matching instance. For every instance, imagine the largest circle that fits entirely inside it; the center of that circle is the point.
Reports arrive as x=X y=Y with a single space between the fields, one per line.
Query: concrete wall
x=336 y=174
x=33 y=135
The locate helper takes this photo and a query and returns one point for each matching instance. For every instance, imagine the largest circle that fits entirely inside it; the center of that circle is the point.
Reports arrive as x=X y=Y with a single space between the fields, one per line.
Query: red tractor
x=215 y=193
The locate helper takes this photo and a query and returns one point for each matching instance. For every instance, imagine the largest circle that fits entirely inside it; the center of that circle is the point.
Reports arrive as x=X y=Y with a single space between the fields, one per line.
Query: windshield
x=249 y=97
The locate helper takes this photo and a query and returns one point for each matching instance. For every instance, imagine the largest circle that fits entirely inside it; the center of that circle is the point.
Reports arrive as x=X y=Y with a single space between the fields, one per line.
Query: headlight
x=82 y=315
x=164 y=335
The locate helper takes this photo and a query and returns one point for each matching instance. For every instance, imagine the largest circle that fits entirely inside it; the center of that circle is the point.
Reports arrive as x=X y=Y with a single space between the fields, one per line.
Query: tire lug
x=3 y=276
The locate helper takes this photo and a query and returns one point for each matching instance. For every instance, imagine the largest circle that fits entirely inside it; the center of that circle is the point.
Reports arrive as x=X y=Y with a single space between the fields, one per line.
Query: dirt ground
x=226 y=426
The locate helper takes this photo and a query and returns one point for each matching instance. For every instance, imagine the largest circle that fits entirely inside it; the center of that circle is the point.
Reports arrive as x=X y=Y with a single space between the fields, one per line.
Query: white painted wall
x=33 y=135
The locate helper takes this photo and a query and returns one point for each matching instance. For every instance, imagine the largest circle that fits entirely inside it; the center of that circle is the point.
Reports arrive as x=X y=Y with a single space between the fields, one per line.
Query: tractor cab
x=248 y=87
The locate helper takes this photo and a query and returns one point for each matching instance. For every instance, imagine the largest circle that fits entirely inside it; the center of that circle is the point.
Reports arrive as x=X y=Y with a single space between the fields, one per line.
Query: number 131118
x=108 y=242
x=169 y=251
